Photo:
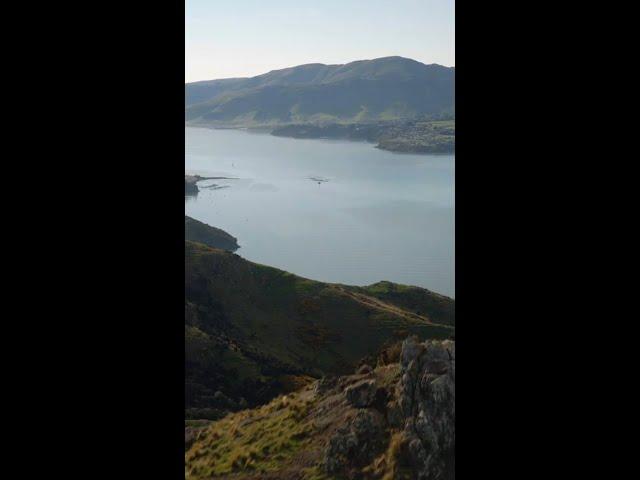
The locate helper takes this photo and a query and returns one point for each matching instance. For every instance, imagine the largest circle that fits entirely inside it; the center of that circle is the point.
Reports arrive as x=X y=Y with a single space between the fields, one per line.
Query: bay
x=335 y=211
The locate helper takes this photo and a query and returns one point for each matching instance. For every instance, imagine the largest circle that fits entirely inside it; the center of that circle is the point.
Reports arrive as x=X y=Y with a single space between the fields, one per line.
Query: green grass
x=259 y=440
x=281 y=324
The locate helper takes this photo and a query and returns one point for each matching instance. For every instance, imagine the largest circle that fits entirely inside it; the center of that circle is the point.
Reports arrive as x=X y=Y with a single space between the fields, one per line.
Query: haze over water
x=378 y=216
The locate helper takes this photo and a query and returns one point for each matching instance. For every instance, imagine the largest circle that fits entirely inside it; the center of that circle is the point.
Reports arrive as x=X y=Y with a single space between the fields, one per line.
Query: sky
x=243 y=38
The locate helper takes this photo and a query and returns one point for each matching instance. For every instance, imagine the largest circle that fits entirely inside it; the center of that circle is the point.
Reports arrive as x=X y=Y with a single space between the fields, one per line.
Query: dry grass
x=261 y=440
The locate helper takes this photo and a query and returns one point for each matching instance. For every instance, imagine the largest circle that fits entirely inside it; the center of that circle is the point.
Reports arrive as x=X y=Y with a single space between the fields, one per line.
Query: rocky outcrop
x=325 y=384
x=392 y=422
x=408 y=433
x=362 y=394
x=426 y=399
x=356 y=445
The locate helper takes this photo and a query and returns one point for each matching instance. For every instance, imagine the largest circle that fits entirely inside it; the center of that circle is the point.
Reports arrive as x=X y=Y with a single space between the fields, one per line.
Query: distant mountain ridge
x=382 y=89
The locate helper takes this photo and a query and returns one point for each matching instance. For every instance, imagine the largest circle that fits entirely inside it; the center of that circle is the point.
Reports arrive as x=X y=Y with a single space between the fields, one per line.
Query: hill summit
x=382 y=89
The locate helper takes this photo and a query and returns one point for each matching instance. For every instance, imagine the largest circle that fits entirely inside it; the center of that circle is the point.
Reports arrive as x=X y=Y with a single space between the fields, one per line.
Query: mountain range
x=382 y=89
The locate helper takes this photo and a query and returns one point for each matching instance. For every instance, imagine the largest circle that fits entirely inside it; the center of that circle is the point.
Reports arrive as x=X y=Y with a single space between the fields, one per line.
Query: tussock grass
x=259 y=440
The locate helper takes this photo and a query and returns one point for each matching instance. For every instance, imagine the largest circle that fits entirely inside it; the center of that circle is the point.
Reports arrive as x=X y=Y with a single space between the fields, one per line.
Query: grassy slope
x=438 y=308
x=253 y=331
x=259 y=440
x=284 y=439
x=213 y=237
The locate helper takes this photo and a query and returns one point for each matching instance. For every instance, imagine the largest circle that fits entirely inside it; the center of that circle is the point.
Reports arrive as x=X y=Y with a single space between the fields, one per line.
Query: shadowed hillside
x=196 y=231
x=382 y=89
x=253 y=332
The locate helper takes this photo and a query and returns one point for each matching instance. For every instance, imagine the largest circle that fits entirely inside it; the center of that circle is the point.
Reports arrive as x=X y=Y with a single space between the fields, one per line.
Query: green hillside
x=213 y=237
x=253 y=332
x=382 y=89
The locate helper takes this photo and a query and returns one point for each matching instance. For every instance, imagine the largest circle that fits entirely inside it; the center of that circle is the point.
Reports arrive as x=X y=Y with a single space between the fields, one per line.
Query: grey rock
x=411 y=349
x=362 y=394
x=325 y=384
x=394 y=415
x=357 y=444
x=427 y=400
x=420 y=409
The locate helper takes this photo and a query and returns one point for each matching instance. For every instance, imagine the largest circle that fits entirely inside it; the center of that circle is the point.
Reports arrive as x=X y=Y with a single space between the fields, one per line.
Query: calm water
x=375 y=215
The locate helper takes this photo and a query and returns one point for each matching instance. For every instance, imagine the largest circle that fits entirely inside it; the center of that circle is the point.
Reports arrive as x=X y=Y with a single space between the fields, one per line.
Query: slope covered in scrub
x=253 y=332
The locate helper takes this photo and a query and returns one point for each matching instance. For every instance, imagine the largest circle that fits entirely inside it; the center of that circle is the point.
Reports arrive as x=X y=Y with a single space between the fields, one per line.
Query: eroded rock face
x=362 y=394
x=420 y=413
x=325 y=384
x=426 y=400
x=357 y=444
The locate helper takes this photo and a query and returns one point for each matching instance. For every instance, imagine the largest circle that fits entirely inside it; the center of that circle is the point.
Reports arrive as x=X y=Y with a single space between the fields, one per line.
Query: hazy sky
x=243 y=38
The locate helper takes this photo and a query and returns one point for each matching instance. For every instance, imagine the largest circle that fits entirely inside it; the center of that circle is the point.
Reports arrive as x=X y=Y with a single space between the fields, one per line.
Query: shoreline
x=191 y=183
x=270 y=130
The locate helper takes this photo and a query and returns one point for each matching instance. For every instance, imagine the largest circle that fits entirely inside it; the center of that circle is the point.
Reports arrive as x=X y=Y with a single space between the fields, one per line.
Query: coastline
x=269 y=130
x=191 y=183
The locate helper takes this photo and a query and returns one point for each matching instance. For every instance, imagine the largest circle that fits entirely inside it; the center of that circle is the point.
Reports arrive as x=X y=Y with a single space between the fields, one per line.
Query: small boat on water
x=319 y=180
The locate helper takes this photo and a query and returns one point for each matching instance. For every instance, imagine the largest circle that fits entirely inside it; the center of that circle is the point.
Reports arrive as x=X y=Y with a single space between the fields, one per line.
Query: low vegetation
x=420 y=136
x=439 y=308
x=253 y=332
x=357 y=426
x=424 y=135
x=254 y=441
